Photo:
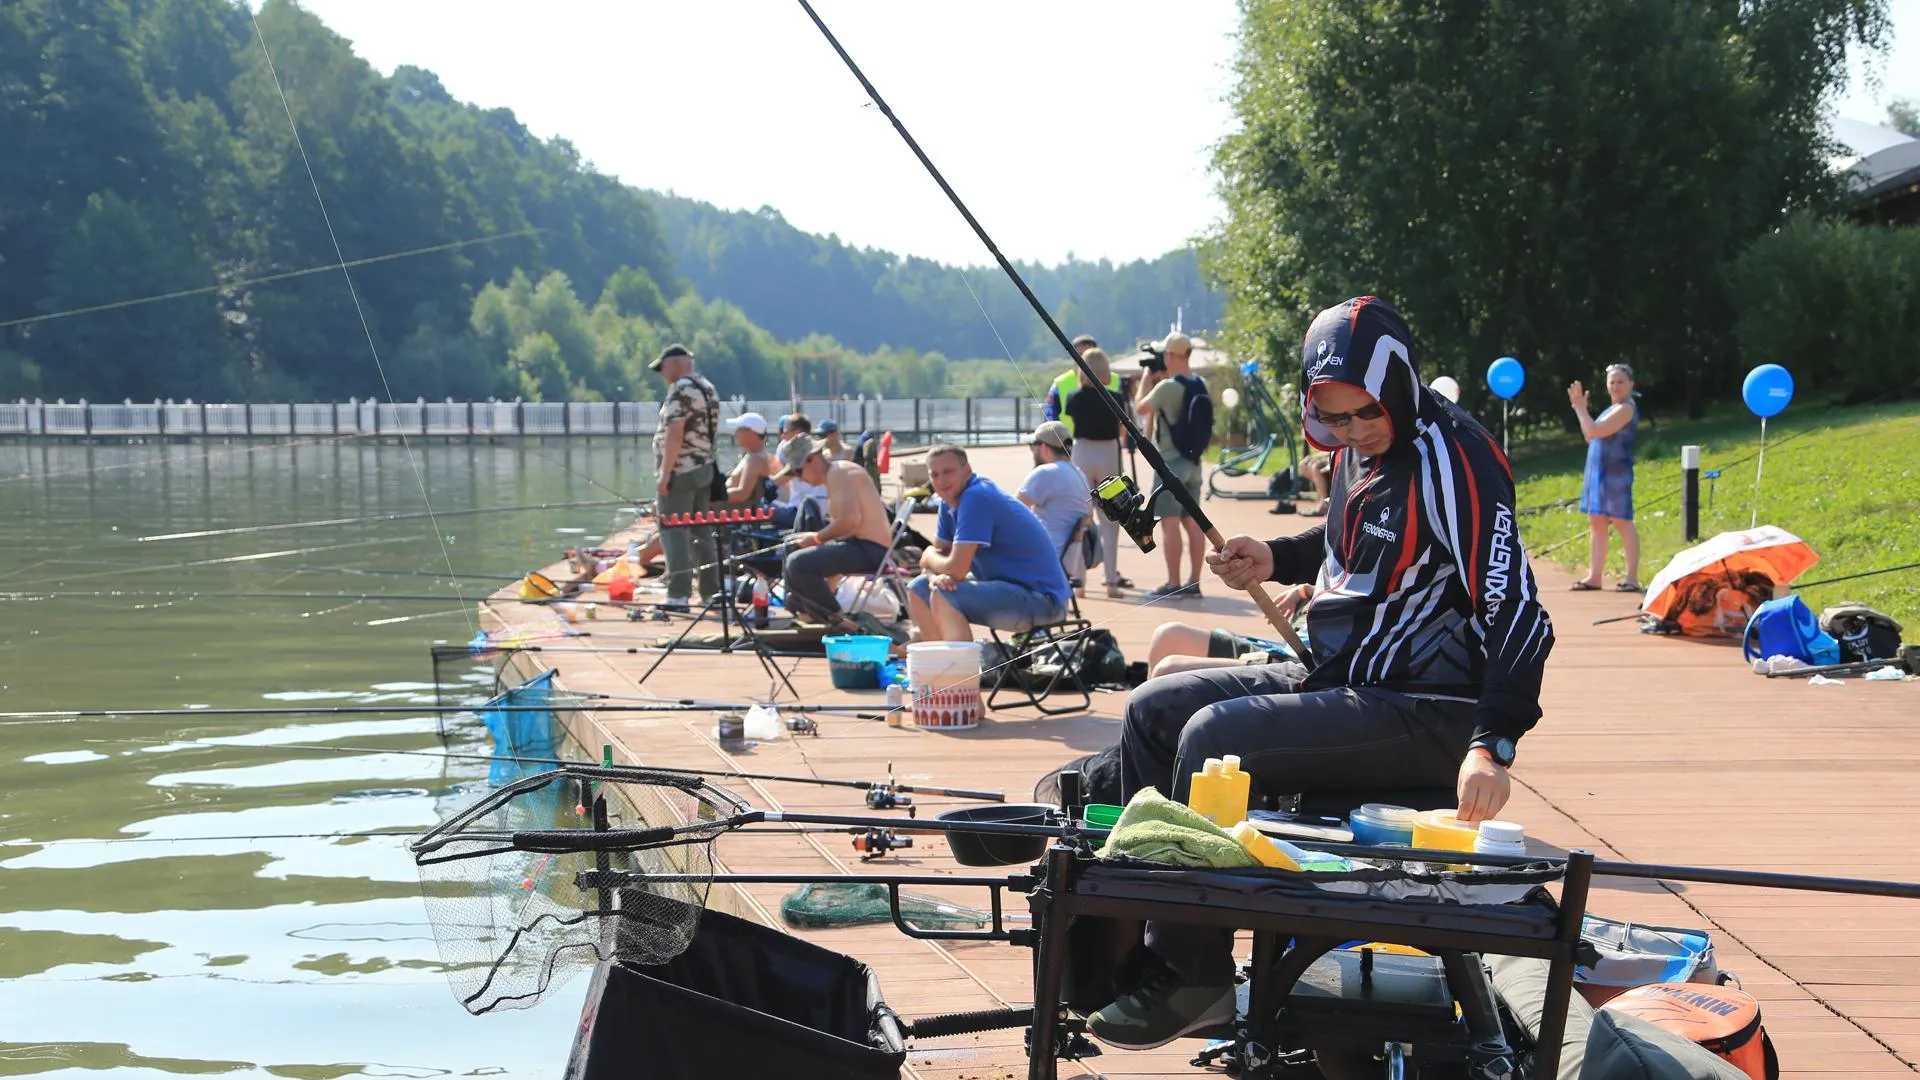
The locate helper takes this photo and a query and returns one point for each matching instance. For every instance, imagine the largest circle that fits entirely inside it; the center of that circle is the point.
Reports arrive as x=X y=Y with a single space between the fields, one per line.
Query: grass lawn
x=1846 y=480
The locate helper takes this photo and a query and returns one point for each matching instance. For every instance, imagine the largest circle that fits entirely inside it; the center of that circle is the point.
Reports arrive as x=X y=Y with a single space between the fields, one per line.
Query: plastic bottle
x=1203 y=795
x=1234 y=791
x=760 y=598
x=1273 y=851
x=1501 y=838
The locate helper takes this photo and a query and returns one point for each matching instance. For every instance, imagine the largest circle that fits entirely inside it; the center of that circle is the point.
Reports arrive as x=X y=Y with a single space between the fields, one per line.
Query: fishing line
x=368 y=519
x=353 y=291
x=1169 y=482
x=244 y=282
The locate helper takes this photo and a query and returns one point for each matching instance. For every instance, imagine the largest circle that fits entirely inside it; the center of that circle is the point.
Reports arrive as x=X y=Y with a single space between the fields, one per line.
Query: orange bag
x=1720 y=1019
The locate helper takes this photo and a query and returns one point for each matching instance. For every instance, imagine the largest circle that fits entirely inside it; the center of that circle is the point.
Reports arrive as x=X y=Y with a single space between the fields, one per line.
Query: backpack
x=1192 y=431
x=1863 y=633
x=1786 y=627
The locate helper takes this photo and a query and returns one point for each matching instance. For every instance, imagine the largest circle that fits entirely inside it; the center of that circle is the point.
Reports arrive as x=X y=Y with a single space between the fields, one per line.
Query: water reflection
x=175 y=901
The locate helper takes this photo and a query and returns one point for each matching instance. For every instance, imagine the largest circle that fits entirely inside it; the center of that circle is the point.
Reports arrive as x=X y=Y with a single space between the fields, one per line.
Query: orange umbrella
x=1722 y=580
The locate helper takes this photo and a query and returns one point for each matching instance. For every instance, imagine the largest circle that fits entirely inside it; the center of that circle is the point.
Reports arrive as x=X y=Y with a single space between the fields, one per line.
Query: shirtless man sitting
x=853 y=542
x=747 y=483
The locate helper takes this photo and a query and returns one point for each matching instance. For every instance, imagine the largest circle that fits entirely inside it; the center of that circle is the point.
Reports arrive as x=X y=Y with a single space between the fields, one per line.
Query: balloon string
x=1758 y=469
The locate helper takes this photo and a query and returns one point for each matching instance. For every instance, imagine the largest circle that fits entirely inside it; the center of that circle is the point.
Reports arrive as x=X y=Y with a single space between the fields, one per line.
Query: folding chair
x=1047 y=659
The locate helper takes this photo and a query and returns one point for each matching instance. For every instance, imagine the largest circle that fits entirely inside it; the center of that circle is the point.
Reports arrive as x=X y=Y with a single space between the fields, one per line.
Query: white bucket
x=944 y=678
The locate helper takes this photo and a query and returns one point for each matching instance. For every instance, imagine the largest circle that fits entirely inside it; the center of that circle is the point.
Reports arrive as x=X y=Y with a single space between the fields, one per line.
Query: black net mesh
x=543 y=876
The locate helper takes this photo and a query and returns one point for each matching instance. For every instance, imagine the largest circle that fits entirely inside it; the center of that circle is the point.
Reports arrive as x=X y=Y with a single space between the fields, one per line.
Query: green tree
x=1563 y=183
x=1903 y=115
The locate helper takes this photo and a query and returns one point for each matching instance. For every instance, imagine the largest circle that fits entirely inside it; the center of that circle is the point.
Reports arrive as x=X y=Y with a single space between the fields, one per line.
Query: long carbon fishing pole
x=413 y=515
x=572 y=703
x=1158 y=464
x=722 y=774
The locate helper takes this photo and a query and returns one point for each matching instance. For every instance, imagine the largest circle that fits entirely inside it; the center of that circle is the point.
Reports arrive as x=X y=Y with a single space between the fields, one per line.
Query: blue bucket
x=854 y=661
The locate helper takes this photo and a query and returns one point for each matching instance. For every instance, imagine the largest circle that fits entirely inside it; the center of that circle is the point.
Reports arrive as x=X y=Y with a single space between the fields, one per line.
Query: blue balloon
x=1505 y=377
x=1767 y=390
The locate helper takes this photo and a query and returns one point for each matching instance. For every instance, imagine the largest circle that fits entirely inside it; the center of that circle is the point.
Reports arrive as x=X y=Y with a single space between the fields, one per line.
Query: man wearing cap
x=991 y=562
x=830 y=444
x=1427 y=631
x=799 y=503
x=854 y=540
x=1095 y=427
x=1165 y=383
x=747 y=483
x=1056 y=492
x=684 y=471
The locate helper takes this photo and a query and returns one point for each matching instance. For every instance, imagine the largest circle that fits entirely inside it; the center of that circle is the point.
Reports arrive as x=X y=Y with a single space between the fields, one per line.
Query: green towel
x=1157 y=829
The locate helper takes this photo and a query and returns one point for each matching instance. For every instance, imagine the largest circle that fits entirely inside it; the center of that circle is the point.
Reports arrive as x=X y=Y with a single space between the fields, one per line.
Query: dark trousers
x=1291 y=742
x=808 y=569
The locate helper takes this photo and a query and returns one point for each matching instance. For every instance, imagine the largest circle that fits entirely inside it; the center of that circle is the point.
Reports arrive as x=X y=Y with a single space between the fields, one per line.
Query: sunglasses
x=1341 y=419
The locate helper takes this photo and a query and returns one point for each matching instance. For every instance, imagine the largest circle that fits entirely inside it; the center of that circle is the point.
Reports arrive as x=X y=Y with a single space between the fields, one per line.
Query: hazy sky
x=742 y=103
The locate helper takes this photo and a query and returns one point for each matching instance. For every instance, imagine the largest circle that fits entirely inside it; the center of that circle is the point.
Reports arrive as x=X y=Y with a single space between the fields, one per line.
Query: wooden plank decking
x=1651 y=750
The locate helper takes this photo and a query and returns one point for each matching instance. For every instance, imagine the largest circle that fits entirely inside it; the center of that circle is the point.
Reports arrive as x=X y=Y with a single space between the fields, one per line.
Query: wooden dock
x=1651 y=750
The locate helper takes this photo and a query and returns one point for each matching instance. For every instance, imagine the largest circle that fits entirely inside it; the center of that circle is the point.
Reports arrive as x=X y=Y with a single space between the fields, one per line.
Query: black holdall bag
x=743 y=1000
x=1863 y=633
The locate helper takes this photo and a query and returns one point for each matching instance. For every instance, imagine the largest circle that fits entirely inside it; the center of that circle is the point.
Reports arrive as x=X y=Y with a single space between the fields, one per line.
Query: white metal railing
x=963 y=418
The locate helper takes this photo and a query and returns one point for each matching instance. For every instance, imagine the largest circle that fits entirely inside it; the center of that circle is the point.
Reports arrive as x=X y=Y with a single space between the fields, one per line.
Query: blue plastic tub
x=854 y=661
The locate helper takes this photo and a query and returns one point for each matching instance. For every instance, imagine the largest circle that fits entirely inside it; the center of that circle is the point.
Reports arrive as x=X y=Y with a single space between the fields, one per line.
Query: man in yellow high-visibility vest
x=1055 y=406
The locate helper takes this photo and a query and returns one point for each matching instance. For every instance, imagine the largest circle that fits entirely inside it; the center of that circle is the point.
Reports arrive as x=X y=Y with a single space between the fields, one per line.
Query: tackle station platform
x=1651 y=750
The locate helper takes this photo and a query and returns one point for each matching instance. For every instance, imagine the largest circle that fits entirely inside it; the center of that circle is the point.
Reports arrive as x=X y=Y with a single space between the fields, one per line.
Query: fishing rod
x=888 y=785
x=414 y=515
x=1136 y=520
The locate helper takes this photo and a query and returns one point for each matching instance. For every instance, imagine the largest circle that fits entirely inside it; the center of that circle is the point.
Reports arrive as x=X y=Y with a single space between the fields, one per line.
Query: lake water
x=141 y=933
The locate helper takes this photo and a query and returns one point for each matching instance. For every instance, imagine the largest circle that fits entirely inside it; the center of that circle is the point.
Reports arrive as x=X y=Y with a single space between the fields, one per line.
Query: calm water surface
x=131 y=944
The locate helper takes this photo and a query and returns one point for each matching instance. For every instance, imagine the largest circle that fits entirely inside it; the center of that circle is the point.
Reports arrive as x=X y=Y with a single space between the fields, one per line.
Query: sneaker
x=1160 y=592
x=1161 y=1010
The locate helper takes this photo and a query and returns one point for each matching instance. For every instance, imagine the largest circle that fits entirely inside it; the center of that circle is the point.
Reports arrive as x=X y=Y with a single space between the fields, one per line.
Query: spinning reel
x=1120 y=500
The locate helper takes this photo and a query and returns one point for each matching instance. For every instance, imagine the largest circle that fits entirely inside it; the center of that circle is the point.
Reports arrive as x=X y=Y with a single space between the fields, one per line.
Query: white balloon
x=1231 y=395
x=1447 y=387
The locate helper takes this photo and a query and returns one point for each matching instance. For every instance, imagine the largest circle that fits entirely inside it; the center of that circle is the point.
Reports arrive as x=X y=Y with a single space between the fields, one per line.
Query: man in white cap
x=1182 y=428
x=747 y=483
x=1056 y=492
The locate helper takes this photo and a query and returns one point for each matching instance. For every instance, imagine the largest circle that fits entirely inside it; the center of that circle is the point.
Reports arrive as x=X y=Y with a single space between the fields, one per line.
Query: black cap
x=676 y=349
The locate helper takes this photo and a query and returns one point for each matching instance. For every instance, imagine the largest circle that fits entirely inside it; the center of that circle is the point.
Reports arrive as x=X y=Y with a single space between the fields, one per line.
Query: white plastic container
x=1501 y=838
x=944 y=680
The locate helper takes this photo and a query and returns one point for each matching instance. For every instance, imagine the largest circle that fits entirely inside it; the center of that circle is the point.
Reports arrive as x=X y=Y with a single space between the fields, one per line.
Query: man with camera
x=1180 y=410
x=1427 y=631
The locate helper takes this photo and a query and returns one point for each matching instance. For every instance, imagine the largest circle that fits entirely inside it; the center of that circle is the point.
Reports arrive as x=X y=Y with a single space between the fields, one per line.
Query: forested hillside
x=794 y=283
x=146 y=151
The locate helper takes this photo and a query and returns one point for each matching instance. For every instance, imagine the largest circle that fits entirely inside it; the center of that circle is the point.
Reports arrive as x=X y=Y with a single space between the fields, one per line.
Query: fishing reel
x=886 y=797
x=801 y=724
x=1120 y=500
x=877 y=842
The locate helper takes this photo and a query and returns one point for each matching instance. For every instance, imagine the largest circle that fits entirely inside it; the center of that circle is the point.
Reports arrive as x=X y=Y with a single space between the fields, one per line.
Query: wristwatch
x=1499 y=749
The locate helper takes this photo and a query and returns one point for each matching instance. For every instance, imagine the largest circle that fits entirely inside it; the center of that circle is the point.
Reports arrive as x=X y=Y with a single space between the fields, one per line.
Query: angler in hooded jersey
x=1426 y=628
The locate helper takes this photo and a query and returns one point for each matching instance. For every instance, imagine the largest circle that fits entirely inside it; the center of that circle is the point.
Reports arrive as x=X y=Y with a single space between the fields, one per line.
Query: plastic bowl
x=984 y=849
x=1101 y=815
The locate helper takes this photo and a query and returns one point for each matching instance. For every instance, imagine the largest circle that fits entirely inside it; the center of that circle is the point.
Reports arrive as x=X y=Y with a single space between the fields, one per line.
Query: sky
x=1080 y=127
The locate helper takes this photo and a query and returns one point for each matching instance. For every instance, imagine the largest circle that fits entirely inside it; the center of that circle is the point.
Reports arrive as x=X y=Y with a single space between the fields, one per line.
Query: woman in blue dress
x=1606 y=491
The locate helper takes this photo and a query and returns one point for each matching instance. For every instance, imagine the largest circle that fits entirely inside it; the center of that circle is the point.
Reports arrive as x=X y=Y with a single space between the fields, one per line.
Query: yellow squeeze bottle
x=1204 y=793
x=1235 y=789
x=1264 y=850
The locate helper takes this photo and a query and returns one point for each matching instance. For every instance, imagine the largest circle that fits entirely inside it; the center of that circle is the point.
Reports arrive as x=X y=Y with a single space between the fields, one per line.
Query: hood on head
x=1363 y=343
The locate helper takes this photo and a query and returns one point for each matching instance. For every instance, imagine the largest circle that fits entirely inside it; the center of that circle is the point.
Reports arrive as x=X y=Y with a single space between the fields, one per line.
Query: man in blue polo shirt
x=991 y=562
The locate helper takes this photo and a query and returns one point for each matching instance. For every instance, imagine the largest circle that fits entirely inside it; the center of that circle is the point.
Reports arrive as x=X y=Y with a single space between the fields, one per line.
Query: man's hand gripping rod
x=1147 y=450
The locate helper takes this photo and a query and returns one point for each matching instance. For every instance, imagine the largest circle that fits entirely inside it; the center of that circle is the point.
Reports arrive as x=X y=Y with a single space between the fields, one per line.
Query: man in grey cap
x=684 y=473
x=854 y=540
x=1056 y=492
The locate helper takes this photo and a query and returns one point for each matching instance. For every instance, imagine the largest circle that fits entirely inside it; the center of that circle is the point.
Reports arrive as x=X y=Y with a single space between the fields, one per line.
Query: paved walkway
x=1651 y=750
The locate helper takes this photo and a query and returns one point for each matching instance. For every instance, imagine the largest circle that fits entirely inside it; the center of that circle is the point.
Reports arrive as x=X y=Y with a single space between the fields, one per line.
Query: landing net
x=537 y=880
